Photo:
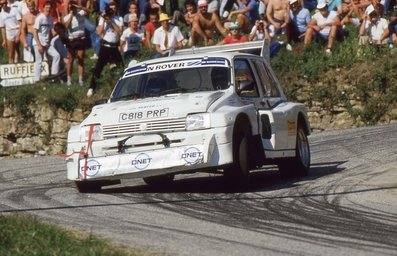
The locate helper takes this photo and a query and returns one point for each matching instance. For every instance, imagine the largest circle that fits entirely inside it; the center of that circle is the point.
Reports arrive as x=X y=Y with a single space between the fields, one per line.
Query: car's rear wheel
x=300 y=164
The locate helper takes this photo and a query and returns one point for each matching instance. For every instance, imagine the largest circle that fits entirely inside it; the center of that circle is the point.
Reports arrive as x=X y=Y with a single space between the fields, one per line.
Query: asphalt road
x=346 y=206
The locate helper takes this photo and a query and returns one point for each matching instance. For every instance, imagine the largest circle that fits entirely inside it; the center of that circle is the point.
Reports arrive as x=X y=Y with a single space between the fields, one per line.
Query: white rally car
x=211 y=110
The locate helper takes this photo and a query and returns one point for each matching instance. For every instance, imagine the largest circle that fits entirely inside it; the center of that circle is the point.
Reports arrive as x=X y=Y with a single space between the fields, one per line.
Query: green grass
x=26 y=235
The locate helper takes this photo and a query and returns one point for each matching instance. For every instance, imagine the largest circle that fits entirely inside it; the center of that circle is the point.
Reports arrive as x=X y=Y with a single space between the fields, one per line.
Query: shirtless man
x=204 y=25
x=27 y=30
x=277 y=13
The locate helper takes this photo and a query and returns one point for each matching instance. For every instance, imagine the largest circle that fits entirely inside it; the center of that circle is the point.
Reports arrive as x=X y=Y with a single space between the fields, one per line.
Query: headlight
x=198 y=121
x=97 y=133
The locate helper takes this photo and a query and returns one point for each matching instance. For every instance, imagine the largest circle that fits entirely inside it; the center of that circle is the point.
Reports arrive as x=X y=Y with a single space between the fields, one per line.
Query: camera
x=108 y=12
x=73 y=6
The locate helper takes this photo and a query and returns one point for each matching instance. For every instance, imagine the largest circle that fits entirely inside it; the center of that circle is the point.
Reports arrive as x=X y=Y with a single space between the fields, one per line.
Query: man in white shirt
x=41 y=41
x=131 y=39
x=10 y=20
x=324 y=25
x=167 y=37
x=373 y=29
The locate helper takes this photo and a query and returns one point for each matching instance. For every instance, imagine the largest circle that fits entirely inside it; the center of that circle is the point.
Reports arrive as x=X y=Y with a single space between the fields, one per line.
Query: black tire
x=238 y=173
x=88 y=186
x=299 y=165
x=94 y=186
x=159 y=180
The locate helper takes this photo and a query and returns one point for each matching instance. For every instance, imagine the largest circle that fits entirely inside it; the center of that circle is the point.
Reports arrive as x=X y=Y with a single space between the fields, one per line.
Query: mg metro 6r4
x=187 y=113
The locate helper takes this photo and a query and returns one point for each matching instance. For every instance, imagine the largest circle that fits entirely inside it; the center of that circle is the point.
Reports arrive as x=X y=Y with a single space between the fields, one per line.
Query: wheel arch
x=303 y=121
x=256 y=151
x=242 y=120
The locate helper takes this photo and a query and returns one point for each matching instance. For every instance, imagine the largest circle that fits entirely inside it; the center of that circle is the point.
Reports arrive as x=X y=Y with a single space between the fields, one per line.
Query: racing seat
x=155 y=85
x=219 y=78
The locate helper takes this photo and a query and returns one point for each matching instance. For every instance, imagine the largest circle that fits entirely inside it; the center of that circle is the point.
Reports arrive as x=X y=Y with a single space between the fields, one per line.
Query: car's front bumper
x=188 y=151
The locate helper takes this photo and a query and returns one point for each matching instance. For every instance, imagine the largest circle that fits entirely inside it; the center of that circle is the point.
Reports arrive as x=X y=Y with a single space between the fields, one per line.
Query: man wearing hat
x=167 y=37
x=300 y=18
x=204 y=25
x=131 y=39
x=373 y=29
x=235 y=35
x=324 y=26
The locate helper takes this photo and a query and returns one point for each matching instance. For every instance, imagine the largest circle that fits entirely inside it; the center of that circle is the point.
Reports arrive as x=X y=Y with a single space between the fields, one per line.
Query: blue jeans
x=95 y=39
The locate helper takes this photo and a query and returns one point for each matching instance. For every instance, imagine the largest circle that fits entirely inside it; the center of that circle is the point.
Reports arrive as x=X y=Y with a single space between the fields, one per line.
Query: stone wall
x=45 y=133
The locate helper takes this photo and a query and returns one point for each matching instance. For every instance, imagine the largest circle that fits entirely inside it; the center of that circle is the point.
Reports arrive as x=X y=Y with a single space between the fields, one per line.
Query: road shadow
x=264 y=179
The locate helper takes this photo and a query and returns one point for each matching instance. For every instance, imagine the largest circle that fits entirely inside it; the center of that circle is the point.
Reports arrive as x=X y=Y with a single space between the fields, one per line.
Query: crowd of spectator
x=60 y=31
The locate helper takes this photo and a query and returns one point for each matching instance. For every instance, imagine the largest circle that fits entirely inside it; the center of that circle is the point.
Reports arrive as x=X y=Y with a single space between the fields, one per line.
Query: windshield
x=208 y=78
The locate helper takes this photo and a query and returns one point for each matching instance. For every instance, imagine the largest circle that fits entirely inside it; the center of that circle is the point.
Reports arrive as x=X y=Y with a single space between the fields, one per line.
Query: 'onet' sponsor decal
x=93 y=167
x=192 y=155
x=141 y=161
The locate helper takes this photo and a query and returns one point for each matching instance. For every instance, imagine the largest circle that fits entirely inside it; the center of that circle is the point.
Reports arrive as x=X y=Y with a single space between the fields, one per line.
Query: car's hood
x=167 y=106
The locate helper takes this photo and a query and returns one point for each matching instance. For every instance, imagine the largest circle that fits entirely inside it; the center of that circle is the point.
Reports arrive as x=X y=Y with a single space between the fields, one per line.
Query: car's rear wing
x=257 y=47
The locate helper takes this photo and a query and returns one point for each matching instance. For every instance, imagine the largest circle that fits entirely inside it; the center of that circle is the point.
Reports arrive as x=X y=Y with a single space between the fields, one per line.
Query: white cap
x=202 y=3
x=369 y=9
x=292 y=1
x=321 y=4
x=234 y=25
x=132 y=17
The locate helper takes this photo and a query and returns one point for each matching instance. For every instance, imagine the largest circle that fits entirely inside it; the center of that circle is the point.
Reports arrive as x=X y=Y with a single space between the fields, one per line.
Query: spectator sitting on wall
x=324 y=25
x=354 y=12
x=191 y=12
x=245 y=15
x=235 y=35
x=300 y=18
x=167 y=37
x=374 y=29
x=205 y=24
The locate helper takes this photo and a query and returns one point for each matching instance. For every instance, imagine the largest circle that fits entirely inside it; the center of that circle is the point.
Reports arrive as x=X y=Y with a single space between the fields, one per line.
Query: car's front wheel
x=94 y=186
x=239 y=172
x=159 y=180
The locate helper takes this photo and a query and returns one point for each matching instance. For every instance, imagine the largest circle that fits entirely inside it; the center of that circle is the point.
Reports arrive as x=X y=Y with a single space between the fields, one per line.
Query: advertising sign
x=20 y=73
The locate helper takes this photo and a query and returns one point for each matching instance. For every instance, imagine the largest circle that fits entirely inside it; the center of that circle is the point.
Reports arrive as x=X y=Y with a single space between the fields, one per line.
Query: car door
x=272 y=120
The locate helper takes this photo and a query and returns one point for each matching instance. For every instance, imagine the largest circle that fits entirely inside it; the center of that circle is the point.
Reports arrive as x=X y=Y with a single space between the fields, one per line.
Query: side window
x=244 y=79
x=269 y=84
